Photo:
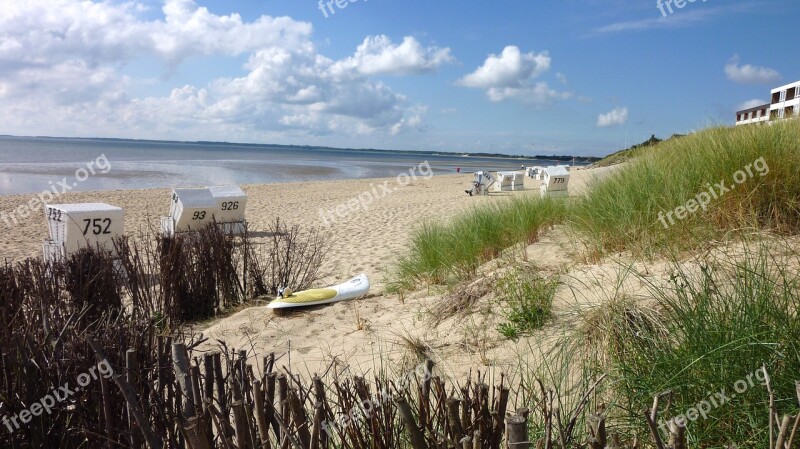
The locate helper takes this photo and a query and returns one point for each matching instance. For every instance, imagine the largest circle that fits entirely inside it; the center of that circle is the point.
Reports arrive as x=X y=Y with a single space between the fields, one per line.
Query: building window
x=781 y=112
x=783 y=96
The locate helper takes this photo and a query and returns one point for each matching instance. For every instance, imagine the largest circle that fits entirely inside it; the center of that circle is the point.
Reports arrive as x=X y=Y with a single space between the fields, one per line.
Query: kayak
x=354 y=288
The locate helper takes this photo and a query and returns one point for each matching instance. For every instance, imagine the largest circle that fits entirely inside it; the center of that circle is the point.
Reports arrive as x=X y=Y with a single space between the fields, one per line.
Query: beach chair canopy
x=76 y=226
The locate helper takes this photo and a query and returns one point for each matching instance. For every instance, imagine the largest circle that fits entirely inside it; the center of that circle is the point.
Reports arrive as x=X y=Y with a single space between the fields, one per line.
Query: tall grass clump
x=527 y=297
x=720 y=321
x=629 y=210
x=442 y=253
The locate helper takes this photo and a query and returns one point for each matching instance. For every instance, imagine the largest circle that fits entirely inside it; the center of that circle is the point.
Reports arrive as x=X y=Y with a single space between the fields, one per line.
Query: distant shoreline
x=562 y=158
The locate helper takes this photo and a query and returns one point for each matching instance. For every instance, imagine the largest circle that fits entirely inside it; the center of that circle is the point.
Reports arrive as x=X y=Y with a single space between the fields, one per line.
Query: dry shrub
x=462 y=299
x=91 y=284
x=291 y=257
x=608 y=328
x=47 y=310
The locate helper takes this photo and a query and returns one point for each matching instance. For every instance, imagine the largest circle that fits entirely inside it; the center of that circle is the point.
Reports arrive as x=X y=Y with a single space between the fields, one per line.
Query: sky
x=579 y=77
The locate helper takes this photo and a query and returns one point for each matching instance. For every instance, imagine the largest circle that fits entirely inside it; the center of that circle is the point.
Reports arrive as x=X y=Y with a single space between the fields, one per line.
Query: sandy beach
x=378 y=332
x=363 y=239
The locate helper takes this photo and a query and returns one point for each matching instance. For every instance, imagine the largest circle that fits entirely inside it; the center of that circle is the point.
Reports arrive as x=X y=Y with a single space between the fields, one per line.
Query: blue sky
x=567 y=77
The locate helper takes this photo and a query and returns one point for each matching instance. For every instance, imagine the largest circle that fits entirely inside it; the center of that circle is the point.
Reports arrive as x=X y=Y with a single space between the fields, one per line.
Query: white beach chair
x=76 y=226
x=504 y=182
x=231 y=204
x=555 y=182
x=190 y=210
x=194 y=208
x=481 y=182
x=518 y=181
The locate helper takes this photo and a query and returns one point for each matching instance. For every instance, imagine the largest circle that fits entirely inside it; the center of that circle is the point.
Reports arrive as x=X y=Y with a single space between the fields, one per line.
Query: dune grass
x=636 y=209
x=718 y=325
x=746 y=178
x=528 y=300
x=442 y=253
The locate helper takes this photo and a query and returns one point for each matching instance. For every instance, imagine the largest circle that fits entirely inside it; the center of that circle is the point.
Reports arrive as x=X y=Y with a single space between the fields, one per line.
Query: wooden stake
x=299 y=417
x=677 y=436
x=414 y=432
x=243 y=437
x=783 y=432
x=130 y=398
x=453 y=419
x=180 y=363
x=260 y=414
x=597 y=432
x=517 y=433
x=131 y=374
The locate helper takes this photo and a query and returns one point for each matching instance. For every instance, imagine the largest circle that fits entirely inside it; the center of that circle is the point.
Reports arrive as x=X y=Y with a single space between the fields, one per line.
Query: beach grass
x=638 y=207
x=527 y=297
x=674 y=196
x=444 y=253
x=720 y=320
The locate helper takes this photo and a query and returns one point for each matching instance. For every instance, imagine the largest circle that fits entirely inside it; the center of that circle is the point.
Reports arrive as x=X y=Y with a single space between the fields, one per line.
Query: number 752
x=98 y=226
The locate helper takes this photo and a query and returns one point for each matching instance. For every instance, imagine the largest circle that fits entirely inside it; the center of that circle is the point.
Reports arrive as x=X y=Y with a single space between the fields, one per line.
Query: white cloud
x=749 y=74
x=751 y=104
x=617 y=116
x=512 y=74
x=539 y=94
x=64 y=73
x=684 y=19
x=510 y=69
x=103 y=32
x=679 y=19
x=414 y=121
x=377 y=55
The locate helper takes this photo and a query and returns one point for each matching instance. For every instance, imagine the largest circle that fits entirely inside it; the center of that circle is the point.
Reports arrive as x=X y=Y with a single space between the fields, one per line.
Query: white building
x=753 y=115
x=784 y=103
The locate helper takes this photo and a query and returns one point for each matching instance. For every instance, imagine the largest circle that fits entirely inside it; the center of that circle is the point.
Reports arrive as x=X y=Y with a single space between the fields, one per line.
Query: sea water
x=34 y=164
